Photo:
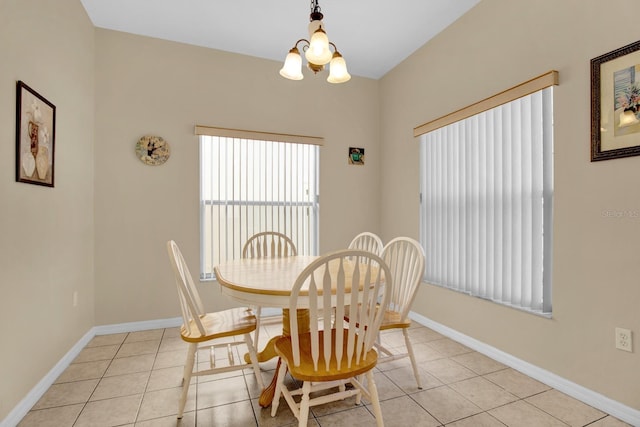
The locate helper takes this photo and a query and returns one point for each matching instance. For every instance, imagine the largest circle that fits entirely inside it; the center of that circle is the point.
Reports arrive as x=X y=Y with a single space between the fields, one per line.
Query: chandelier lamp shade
x=317 y=51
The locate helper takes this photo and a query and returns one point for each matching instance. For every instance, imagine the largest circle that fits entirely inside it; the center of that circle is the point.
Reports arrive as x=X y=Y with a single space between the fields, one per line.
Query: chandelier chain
x=314 y=6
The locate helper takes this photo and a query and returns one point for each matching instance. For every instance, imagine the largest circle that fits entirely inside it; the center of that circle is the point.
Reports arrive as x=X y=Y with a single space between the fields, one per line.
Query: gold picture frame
x=615 y=104
x=35 y=137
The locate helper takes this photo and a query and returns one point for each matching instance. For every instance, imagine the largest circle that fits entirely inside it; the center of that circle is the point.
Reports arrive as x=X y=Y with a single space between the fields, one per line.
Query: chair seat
x=306 y=372
x=392 y=320
x=221 y=324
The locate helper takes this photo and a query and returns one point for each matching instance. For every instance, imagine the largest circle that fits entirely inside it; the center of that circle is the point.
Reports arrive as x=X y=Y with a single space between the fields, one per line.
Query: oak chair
x=406 y=259
x=367 y=241
x=328 y=352
x=205 y=330
x=267 y=244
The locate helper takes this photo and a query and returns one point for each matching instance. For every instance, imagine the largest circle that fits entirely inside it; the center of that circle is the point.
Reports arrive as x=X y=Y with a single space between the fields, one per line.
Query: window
x=486 y=202
x=249 y=185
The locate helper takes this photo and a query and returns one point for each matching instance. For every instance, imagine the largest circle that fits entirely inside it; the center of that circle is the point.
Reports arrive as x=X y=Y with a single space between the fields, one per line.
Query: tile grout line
x=146 y=386
x=99 y=380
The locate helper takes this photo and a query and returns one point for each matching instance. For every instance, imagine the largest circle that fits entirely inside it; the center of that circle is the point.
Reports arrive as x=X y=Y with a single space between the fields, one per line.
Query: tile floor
x=133 y=379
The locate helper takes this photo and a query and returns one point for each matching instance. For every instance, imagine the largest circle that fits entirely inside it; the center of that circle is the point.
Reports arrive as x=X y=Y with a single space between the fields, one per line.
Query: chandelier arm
x=303 y=40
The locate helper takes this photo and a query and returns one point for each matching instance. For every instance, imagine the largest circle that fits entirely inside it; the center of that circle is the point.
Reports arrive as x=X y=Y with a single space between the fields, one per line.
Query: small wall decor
x=153 y=150
x=35 y=137
x=356 y=156
x=615 y=103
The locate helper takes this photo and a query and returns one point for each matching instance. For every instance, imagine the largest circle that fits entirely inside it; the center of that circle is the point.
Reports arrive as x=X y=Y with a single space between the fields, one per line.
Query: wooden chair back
x=190 y=302
x=367 y=241
x=269 y=244
x=405 y=258
x=347 y=280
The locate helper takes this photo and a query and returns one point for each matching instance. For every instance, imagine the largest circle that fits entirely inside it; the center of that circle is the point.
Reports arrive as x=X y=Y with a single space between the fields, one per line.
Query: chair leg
x=256 y=334
x=254 y=360
x=186 y=376
x=375 y=400
x=304 y=404
x=279 y=384
x=414 y=364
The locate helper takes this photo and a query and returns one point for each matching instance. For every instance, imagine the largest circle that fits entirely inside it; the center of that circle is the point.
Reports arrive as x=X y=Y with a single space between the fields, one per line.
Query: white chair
x=367 y=241
x=327 y=353
x=405 y=258
x=200 y=329
x=267 y=244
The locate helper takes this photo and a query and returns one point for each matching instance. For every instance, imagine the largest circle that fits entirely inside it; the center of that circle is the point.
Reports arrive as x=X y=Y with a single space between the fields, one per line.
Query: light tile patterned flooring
x=133 y=379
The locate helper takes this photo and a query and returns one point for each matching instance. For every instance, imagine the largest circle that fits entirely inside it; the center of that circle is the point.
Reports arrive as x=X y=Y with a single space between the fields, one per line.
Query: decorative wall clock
x=153 y=150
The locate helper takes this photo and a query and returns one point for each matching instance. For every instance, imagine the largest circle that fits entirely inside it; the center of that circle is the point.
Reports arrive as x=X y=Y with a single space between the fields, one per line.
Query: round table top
x=268 y=281
x=262 y=276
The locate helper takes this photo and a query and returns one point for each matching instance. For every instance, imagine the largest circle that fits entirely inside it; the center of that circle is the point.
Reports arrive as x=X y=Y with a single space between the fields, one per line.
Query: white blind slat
x=249 y=186
x=486 y=199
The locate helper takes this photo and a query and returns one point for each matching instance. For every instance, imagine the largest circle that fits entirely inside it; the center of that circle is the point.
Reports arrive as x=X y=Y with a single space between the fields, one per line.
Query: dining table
x=267 y=282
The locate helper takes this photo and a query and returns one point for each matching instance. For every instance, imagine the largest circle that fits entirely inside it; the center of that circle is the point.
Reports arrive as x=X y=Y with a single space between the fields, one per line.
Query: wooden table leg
x=267 y=353
x=266 y=397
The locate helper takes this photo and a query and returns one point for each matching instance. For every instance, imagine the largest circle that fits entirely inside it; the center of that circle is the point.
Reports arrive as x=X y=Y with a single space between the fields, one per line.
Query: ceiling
x=373 y=36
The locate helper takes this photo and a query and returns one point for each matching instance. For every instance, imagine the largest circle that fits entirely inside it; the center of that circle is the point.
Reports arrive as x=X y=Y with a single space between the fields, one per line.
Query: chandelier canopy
x=317 y=52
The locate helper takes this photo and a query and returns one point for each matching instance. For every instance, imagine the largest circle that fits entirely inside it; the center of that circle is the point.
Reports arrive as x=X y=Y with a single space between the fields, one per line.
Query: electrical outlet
x=75 y=298
x=624 y=340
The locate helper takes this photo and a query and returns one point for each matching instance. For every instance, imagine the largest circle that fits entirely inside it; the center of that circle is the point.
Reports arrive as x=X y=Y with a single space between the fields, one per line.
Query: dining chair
x=367 y=241
x=406 y=259
x=327 y=353
x=267 y=244
x=202 y=329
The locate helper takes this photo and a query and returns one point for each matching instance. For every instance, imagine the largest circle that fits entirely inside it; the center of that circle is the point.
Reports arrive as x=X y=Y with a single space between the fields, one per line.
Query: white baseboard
x=16 y=415
x=590 y=397
x=138 y=326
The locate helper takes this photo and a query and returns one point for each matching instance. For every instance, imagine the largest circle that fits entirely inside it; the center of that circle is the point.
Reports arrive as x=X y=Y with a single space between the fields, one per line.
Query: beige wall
x=499 y=44
x=138 y=86
x=150 y=86
x=46 y=243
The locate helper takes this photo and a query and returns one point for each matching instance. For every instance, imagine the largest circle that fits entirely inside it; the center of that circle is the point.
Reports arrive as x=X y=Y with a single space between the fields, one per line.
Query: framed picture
x=356 y=156
x=35 y=137
x=615 y=104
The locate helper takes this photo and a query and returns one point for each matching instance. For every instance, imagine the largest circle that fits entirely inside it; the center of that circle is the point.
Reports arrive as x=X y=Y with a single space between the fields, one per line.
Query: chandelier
x=317 y=52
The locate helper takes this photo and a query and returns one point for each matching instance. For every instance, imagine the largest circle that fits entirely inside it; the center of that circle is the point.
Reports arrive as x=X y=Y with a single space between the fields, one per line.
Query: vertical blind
x=486 y=203
x=248 y=186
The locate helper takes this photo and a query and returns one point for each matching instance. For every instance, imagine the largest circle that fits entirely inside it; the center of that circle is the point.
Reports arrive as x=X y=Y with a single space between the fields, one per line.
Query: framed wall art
x=356 y=156
x=35 y=137
x=615 y=104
